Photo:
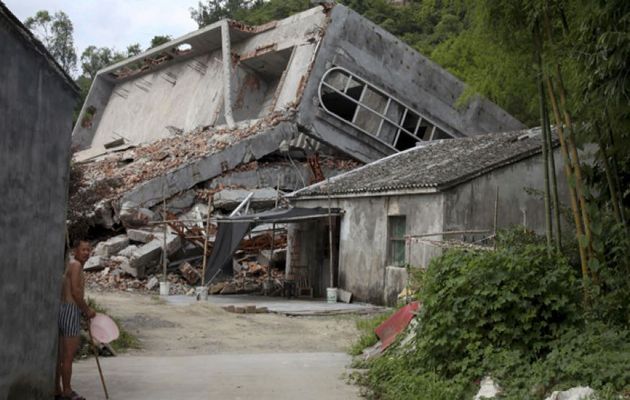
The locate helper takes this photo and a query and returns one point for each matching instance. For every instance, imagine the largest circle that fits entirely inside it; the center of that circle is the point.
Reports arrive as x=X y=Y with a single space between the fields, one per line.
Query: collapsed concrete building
x=280 y=106
x=36 y=103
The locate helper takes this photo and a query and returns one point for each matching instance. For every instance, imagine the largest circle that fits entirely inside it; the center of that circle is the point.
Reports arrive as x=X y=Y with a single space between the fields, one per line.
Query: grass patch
x=366 y=326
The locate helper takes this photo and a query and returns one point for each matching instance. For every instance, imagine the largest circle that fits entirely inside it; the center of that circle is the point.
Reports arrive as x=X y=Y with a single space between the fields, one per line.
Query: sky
x=115 y=23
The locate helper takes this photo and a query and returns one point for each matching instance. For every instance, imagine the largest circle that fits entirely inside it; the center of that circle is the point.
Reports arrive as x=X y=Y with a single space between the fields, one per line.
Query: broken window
x=397 y=229
x=374 y=112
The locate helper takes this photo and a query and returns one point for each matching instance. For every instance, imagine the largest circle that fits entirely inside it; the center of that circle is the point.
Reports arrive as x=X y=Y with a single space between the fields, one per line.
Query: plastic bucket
x=331 y=295
x=164 y=286
x=201 y=292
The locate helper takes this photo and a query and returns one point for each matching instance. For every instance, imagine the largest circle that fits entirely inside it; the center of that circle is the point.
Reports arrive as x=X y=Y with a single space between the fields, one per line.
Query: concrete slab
x=281 y=305
x=278 y=376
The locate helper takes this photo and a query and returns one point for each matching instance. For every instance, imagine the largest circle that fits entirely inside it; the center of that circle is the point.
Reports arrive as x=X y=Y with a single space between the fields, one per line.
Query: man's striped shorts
x=69 y=320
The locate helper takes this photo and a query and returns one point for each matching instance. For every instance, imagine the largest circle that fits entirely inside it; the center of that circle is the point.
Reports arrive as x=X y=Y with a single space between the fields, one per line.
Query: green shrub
x=593 y=355
x=507 y=299
x=398 y=378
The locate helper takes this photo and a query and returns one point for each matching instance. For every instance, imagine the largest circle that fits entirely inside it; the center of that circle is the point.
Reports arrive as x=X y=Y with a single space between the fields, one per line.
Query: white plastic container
x=201 y=292
x=331 y=295
x=164 y=288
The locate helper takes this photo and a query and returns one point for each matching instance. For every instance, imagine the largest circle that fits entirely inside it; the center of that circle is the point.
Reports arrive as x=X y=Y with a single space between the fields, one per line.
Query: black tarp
x=233 y=229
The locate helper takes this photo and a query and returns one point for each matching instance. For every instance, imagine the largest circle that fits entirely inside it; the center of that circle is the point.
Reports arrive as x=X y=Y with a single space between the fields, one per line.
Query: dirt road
x=199 y=351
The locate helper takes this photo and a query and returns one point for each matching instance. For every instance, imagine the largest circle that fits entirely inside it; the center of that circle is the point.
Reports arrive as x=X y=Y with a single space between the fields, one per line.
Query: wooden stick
x=98 y=364
x=205 y=245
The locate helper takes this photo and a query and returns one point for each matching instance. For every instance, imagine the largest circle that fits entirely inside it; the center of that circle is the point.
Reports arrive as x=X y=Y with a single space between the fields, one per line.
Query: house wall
x=363 y=243
x=471 y=205
x=35 y=123
x=355 y=43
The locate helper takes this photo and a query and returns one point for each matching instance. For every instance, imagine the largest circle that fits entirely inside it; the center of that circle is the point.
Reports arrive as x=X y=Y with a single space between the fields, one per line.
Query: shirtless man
x=72 y=305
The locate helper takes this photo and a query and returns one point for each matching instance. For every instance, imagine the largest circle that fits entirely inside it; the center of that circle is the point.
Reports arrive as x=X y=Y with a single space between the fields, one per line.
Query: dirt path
x=199 y=352
x=167 y=330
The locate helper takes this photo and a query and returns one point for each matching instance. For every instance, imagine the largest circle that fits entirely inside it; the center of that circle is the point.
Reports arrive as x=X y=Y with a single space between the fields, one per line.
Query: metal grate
x=371 y=110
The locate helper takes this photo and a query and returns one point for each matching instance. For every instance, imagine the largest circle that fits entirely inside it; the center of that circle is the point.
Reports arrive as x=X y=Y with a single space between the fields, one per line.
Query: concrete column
x=227 y=74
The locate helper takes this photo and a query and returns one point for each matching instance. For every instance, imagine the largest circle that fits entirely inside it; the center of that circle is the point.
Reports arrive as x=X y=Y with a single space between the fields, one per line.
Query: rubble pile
x=139 y=164
x=252 y=278
x=133 y=261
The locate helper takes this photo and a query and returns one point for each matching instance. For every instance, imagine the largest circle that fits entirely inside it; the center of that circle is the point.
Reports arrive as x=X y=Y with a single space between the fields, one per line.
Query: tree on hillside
x=252 y=12
x=133 y=50
x=159 y=40
x=55 y=32
x=95 y=58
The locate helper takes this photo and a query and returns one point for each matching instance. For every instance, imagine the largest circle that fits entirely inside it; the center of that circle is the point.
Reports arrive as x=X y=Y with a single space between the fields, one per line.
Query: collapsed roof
x=339 y=70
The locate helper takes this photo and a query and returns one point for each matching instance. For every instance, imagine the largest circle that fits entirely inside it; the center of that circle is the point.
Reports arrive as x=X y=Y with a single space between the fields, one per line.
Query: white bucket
x=201 y=292
x=331 y=295
x=164 y=286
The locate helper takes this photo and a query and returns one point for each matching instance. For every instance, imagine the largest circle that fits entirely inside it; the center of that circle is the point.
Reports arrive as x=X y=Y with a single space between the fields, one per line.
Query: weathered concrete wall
x=187 y=92
x=470 y=206
x=354 y=43
x=363 y=239
x=35 y=124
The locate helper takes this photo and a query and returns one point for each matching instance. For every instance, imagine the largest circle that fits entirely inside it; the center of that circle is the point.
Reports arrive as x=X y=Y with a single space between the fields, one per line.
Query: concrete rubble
x=488 y=389
x=576 y=393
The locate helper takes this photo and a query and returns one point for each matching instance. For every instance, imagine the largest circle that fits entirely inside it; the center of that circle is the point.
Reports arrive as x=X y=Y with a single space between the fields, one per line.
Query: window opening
x=397 y=230
x=371 y=110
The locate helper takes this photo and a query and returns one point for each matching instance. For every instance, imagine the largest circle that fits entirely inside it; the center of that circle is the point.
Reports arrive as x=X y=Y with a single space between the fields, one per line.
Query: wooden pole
x=496 y=217
x=205 y=245
x=330 y=236
x=577 y=168
x=164 y=263
x=545 y=148
x=98 y=364
x=555 y=201
x=568 y=171
x=273 y=239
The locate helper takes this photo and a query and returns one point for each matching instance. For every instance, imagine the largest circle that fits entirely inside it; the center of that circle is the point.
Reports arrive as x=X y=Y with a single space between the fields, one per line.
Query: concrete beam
x=187 y=176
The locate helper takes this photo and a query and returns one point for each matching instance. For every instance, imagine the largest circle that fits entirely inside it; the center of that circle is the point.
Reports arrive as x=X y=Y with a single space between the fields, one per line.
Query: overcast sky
x=115 y=23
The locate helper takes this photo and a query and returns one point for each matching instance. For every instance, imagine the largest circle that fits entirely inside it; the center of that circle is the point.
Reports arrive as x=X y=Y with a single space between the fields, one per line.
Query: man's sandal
x=73 y=396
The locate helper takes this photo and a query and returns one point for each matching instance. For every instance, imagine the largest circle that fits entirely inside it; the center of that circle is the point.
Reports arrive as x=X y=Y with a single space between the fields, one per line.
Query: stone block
x=111 y=246
x=137 y=235
x=95 y=263
x=152 y=283
x=128 y=251
x=217 y=288
x=145 y=256
x=181 y=202
x=125 y=265
x=173 y=242
x=229 y=288
x=134 y=216
x=189 y=273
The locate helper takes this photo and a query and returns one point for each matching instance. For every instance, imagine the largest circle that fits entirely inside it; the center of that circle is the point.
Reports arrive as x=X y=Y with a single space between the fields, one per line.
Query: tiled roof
x=437 y=164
